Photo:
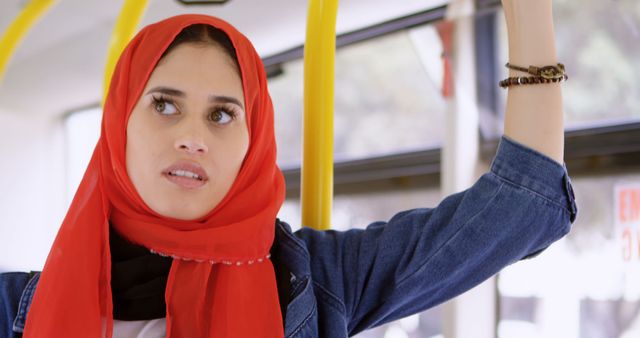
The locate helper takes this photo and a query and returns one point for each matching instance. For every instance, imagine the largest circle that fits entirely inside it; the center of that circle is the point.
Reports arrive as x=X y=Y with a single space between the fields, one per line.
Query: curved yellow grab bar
x=130 y=16
x=319 y=74
x=19 y=28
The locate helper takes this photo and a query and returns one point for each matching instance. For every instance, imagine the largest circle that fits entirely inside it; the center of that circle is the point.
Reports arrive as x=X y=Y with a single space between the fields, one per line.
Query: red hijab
x=221 y=282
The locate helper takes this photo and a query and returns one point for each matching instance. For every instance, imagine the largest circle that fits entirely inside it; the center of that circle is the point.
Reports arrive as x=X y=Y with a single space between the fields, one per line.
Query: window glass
x=387 y=98
x=587 y=284
x=598 y=43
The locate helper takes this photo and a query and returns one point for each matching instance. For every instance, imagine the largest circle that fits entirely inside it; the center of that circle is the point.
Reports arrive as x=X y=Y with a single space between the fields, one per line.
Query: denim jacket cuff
x=25 y=302
x=536 y=172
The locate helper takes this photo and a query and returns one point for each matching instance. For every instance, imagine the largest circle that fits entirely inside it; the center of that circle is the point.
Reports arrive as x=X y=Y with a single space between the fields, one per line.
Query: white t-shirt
x=155 y=328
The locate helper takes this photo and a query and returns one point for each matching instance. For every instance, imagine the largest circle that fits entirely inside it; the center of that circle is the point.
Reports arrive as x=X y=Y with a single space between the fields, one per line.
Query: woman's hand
x=534 y=115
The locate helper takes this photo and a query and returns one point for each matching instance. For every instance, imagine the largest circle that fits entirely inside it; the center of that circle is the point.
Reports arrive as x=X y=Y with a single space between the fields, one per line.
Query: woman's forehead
x=193 y=67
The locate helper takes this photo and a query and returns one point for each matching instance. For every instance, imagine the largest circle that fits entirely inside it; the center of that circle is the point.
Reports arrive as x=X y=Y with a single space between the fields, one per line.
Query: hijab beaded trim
x=213 y=261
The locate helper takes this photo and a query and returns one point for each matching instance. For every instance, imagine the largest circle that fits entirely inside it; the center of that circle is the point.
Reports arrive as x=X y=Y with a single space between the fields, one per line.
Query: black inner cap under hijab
x=139 y=280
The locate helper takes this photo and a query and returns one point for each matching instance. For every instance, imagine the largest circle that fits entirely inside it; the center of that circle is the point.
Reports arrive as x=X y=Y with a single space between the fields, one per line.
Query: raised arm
x=534 y=114
x=422 y=257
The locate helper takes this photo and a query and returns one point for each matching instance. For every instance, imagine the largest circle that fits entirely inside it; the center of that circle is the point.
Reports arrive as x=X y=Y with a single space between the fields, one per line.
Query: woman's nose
x=191 y=145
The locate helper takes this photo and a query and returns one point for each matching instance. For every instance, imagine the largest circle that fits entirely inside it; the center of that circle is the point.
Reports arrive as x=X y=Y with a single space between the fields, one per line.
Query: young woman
x=173 y=230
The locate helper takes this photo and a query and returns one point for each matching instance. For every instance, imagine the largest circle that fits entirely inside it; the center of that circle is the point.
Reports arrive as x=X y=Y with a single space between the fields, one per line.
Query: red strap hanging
x=445 y=31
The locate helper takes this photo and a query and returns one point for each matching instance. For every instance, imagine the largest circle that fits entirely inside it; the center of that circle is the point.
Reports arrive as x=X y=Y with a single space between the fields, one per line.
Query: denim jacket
x=344 y=282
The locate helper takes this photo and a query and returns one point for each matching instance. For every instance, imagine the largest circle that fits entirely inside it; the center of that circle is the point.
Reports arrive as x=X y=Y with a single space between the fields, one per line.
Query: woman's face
x=187 y=134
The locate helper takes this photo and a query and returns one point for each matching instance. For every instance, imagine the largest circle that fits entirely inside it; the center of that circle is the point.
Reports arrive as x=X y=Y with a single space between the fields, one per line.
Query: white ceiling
x=59 y=65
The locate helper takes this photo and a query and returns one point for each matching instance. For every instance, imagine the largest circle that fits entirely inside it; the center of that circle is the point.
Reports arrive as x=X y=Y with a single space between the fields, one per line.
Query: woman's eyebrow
x=225 y=99
x=181 y=94
x=166 y=90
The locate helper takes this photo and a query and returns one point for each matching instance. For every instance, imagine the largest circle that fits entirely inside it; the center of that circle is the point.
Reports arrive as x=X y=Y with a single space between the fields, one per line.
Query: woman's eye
x=164 y=107
x=221 y=116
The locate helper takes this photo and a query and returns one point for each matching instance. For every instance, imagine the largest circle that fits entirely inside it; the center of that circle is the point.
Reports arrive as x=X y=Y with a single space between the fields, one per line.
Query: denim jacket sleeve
x=423 y=257
x=16 y=293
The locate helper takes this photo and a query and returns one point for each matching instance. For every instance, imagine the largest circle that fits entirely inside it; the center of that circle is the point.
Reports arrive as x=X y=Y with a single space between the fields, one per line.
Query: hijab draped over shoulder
x=221 y=282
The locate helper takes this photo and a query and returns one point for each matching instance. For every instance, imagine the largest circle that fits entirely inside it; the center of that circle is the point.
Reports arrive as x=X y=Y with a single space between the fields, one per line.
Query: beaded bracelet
x=522 y=80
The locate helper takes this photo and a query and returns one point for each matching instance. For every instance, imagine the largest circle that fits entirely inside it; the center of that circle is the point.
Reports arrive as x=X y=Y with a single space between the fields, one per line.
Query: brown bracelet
x=546 y=74
x=522 y=80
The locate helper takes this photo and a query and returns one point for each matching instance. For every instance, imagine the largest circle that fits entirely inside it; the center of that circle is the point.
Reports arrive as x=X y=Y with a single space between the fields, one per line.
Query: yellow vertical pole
x=128 y=20
x=319 y=74
x=19 y=28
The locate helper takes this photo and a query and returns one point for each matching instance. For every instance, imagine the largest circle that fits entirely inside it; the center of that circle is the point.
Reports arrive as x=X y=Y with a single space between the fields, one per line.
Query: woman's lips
x=186 y=174
x=185 y=182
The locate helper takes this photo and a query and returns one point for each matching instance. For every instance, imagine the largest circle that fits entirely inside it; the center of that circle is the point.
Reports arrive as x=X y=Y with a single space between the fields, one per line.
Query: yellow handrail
x=130 y=16
x=319 y=73
x=19 y=28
